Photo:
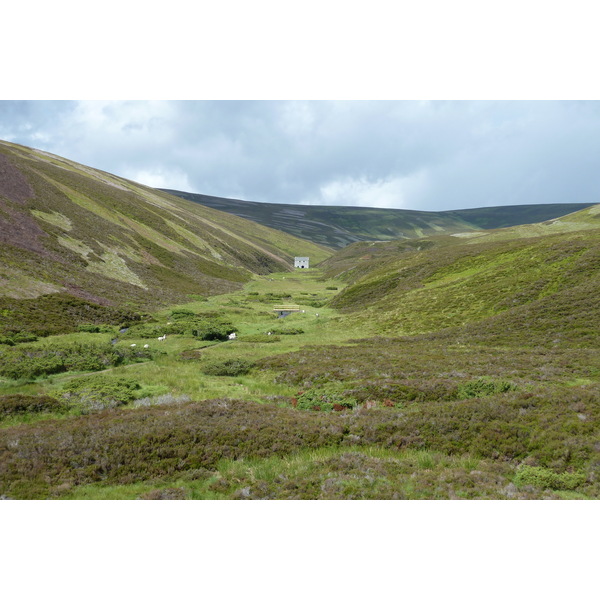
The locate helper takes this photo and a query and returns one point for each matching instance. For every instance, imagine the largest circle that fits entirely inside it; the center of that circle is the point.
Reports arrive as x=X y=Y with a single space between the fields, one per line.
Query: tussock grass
x=362 y=473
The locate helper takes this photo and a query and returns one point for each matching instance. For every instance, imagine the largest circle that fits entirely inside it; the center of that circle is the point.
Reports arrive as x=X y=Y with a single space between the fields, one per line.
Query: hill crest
x=338 y=226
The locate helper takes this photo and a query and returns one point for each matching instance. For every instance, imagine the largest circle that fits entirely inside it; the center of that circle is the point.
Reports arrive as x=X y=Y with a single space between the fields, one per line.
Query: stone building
x=301 y=262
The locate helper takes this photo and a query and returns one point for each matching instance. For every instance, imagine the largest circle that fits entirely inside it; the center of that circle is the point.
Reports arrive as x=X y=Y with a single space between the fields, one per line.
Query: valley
x=142 y=355
x=322 y=408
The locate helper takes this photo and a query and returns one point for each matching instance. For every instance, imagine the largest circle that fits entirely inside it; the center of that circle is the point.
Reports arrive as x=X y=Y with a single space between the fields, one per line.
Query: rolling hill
x=72 y=230
x=531 y=284
x=338 y=226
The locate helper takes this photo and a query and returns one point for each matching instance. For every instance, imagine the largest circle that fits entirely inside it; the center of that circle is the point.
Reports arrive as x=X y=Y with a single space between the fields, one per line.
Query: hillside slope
x=70 y=229
x=536 y=284
x=338 y=226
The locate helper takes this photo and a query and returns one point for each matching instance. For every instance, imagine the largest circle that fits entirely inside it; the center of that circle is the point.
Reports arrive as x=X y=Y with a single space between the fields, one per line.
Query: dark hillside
x=494 y=217
x=338 y=226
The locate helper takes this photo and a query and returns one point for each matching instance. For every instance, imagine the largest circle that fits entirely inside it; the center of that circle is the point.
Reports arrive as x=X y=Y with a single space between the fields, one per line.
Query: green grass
x=531 y=283
x=251 y=318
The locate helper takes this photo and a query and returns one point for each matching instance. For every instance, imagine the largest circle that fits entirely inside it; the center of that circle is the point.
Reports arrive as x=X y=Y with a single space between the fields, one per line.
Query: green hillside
x=69 y=229
x=536 y=282
x=338 y=226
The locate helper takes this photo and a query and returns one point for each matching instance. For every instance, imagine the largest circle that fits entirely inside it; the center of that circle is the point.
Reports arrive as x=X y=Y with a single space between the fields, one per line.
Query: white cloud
x=393 y=192
x=297 y=118
x=160 y=178
x=417 y=155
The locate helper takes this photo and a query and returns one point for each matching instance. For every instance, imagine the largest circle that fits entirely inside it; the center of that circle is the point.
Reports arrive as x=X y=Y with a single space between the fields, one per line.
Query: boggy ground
x=318 y=409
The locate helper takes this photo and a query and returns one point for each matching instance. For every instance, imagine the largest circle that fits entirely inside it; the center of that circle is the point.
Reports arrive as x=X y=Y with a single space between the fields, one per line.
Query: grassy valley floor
x=315 y=405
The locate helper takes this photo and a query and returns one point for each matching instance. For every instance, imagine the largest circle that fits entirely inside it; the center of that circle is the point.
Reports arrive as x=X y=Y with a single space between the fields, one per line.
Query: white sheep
x=268 y=333
x=162 y=338
x=232 y=336
x=146 y=345
x=133 y=345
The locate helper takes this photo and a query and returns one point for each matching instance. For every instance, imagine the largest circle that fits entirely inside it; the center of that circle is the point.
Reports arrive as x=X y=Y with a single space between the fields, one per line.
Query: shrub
x=182 y=313
x=19 y=337
x=261 y=338
x=89 y=328
x=192 y=354
x=543 y=478
x=212 y=330
x=230 y=367
x=321 y=399
x=205 y=327
x=18 y=404
x=331 y=287
x=23 y=336
x=22 y=365
x=53 y=314
x=484 y=386
x=289 y=331
x=149 y=331
x=170 y=493
x=31 y=361
x=93 y=393
x=164 y=399
x=121 y=447
x=392 y=393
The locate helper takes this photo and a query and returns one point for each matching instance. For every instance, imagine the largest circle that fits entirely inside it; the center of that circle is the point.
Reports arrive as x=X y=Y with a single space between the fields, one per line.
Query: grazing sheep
x=162 y=338
x=232 y=336
x=133 y=345
x=268 y=333
x=146 y=345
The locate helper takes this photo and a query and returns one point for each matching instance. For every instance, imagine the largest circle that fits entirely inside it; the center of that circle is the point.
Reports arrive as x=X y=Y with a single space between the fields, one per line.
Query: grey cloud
x=420 y=155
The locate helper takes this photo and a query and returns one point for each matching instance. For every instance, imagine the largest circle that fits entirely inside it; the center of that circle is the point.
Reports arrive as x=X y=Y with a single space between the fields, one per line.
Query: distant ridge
x=338 y=226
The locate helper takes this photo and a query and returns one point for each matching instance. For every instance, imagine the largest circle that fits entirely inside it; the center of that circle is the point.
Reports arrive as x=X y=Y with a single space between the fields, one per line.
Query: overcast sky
x=393 y=154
